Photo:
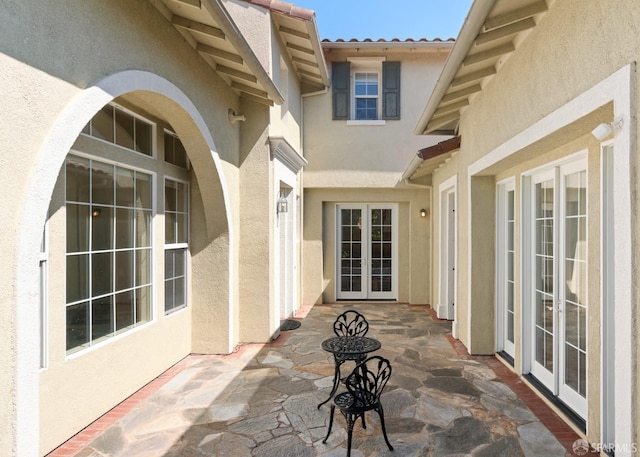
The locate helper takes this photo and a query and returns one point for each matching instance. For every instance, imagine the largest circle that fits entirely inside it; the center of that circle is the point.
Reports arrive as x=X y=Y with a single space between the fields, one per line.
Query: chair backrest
x=367 y=380
x=350 y=323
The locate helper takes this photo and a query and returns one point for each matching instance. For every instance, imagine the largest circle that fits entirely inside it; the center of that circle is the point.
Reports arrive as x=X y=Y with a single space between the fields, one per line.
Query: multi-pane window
x=109 y=250
x=174 y=152
x=366 y=95
x=118 y=126
x=176 y=217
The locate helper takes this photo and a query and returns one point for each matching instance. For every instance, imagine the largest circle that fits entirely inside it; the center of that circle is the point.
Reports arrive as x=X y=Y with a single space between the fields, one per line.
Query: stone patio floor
x=261 y=400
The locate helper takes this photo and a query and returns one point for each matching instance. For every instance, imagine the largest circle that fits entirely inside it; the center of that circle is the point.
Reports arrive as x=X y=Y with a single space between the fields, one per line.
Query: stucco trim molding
x=282 y=150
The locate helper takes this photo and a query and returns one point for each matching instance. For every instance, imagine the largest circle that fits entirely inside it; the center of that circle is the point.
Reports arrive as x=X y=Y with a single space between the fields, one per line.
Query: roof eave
x=228 y=26
x=471 y=27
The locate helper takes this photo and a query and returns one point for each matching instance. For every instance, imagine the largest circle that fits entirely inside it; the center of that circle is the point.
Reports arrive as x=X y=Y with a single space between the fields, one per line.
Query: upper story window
x=366 y=96
x=366 y=90
x=117 y=125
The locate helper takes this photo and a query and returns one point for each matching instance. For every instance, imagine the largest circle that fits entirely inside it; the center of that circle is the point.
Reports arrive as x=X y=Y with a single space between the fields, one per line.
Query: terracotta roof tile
x=383 y=40
x=288 y=9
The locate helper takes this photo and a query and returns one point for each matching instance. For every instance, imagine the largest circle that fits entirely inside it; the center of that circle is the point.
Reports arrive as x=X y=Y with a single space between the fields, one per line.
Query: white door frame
x=607 y=300
x=505 y=233
x=552 y=379
x=447 y=251
x=366 y=264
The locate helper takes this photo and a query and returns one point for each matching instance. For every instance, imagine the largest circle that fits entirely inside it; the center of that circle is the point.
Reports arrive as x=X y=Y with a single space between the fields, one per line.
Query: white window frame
x=43 y=302
x=88 y=131
x=184 y=246
x=366 y=65
x=90 y=345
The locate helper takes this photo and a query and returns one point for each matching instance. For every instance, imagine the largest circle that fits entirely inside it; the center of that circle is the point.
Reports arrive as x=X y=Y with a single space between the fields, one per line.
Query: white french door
x=367 y=251
x=559 y=282
x=505 y=290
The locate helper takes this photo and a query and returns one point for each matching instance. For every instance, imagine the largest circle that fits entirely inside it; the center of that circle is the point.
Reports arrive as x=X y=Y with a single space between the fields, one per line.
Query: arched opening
x=205 y=323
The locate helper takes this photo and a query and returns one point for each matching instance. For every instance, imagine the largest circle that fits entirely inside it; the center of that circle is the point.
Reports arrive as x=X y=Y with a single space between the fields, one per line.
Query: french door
x=367 y=251
x=559 y=282
x=505 y=292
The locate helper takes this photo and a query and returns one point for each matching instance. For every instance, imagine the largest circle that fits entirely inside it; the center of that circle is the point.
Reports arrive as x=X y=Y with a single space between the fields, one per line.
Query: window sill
x=379 y=122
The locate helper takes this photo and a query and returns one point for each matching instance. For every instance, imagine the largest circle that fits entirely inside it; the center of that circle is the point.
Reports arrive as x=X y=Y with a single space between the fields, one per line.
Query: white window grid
x=89 y=130
x=148 y=285
x=176 y=249
x=370 y=80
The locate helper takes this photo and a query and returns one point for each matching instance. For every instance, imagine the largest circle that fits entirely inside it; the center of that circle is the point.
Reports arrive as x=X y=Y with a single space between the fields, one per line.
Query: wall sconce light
x=423 y=212
x=233 y=117
x=282 y=206
x=96 y=212
x=603 y=130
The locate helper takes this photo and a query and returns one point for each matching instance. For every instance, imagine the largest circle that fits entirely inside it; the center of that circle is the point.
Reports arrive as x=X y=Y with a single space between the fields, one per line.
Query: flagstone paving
x=262 y=401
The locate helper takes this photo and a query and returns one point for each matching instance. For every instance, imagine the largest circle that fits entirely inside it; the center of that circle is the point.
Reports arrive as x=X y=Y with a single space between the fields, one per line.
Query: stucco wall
x=344 y=156
x=575 y=47
x=414 y=237
x=50 y=53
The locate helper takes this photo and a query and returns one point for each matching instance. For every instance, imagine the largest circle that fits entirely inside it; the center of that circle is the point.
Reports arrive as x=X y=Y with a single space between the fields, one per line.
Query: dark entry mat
x=289 y=324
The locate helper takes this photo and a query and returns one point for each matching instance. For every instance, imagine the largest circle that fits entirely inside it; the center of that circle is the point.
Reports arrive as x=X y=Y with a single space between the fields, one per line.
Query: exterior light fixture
x=603 y=130
x=233 y=117
x=96 y=212
x=282 y=206
x=423 y=212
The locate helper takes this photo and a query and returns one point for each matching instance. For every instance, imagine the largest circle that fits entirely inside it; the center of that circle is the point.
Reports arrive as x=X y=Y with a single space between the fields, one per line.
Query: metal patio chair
x=364 y=387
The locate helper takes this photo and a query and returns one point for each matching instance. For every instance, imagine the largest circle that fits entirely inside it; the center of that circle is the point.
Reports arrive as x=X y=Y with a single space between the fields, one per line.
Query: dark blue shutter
x=340 y=76
x=390 y=90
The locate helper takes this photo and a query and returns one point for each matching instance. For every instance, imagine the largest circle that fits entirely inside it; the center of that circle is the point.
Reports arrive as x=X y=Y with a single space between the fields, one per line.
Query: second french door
x=367 y=251
x=559 y=282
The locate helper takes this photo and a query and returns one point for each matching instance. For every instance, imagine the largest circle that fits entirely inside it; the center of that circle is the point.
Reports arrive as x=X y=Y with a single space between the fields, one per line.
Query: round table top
x=351 y=344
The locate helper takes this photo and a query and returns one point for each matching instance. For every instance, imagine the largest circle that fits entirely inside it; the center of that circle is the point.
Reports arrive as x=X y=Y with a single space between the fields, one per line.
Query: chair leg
x=350 y=422
x=380 y=412
x=333 y=409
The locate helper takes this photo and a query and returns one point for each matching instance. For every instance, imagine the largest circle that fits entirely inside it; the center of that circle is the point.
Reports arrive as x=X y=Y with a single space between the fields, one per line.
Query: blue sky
x=387 y=19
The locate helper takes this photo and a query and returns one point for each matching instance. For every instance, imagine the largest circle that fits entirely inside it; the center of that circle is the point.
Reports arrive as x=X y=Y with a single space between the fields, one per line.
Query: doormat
x=289 y=324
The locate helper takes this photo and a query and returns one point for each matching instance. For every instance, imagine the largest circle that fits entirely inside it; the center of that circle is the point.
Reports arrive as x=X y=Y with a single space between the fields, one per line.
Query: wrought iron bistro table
x=347 y=348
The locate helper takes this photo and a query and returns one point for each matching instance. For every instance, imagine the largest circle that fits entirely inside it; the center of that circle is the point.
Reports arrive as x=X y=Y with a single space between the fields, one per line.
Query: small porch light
x=602 y=131
x=423 y=212
x=283 y=205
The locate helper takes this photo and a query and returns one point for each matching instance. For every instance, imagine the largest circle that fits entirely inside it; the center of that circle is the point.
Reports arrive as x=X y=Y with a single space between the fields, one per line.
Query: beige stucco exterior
x=60 y=65
x=358 y=162
x=539 y=110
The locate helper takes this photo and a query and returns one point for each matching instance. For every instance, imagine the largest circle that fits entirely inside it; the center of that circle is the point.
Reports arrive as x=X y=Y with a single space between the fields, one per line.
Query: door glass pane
x=381 y=249
x=544 y=273
x=351 y=250
x=575 y=280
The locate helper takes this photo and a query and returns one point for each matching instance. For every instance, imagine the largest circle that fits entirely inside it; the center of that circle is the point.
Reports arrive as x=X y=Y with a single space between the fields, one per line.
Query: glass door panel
x=506 y=267
x=559 y=314
x=351 y=258
x=544 y=274
x=573 y=386
x=366 y=251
